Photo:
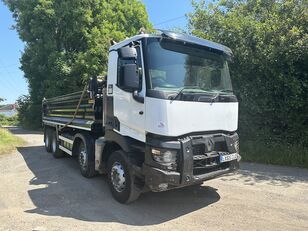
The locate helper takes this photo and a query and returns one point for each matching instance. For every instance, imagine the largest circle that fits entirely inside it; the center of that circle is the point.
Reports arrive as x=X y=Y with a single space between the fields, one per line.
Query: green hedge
x=9 y=120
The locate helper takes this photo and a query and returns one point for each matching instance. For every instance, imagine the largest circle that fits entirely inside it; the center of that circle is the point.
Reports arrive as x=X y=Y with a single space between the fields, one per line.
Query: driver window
x=158 y=77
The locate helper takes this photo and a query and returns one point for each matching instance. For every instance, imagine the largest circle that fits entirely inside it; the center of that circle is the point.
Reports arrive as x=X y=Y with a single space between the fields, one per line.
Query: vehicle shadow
x=60 y=190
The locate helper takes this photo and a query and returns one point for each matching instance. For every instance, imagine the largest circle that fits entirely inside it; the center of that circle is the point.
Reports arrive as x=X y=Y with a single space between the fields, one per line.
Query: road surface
x=38 y=192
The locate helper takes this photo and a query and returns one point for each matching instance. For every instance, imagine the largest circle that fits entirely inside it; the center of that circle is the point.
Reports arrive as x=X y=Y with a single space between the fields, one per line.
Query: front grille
x=204 y=161
x=208 y=162
x=220 y=146
x=199 y=149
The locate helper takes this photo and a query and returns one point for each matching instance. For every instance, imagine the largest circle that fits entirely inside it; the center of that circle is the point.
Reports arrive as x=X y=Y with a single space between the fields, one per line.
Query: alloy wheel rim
x=83 y=157
x=118 y=177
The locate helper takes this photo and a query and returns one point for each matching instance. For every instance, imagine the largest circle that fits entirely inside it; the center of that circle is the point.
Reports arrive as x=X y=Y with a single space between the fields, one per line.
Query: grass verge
x=8 y=141
x=274 y=153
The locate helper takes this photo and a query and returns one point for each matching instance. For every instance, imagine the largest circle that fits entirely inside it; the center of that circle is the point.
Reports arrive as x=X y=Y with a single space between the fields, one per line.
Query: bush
x=29 y=113
x=274 y=153
x=9 y=120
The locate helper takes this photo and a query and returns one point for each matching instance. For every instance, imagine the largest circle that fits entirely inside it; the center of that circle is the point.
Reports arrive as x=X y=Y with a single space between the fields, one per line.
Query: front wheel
x=121 y=178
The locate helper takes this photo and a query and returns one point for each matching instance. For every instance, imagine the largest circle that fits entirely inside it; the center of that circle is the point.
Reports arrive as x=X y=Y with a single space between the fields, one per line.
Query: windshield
x=173 y=66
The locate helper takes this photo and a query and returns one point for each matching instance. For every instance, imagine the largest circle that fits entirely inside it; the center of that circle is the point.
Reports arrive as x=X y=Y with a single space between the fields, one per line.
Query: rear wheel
x=48 y=137
x=56 y=151
x=121 y=178
x=86 y=156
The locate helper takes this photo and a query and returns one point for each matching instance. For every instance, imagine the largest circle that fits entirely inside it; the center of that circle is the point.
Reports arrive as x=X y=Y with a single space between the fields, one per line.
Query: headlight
x=164 y=155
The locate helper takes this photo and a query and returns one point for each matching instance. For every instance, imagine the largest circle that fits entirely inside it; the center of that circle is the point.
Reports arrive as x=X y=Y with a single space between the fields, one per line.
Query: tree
x=2 y=100
x=26 y=111
x=269 y=40
x=67 y=41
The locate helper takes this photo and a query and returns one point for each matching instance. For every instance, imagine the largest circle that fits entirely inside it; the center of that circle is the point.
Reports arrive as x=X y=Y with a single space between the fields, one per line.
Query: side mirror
x=127 y=53
x=129 y=77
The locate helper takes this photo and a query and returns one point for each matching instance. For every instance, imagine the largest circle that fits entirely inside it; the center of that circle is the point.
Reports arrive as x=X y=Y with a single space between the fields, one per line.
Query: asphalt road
x=38 y=192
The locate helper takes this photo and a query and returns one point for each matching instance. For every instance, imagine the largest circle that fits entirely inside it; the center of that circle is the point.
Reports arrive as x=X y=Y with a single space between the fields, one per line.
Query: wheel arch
x=105 y=146
x=78 y=137
x=109 y=148
x=126 y=143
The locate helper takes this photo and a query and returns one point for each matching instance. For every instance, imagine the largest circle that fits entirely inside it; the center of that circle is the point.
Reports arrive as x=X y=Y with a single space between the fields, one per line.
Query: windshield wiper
x=180 y=92
x=214 y=98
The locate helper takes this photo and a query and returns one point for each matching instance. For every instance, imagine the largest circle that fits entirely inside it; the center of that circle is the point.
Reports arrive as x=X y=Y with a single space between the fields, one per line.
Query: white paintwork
x=131 y=39
x=176 y=36
x=71 y=126
x=167 y=118
x=66 y=139
x=65 y=150
x=126 y=109
x=164 y=117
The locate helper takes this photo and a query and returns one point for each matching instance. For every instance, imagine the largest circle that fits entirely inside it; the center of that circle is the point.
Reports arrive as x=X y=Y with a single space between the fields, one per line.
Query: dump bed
x=60 y=110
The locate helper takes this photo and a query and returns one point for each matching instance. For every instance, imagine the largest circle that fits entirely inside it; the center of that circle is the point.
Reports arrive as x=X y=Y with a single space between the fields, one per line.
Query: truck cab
x=172 y=94
x=169 y=115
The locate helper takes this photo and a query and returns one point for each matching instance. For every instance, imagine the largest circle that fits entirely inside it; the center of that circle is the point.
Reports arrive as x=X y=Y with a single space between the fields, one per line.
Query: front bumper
x=159 y=178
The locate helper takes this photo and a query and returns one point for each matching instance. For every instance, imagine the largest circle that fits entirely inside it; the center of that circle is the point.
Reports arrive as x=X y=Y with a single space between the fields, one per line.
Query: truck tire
x=47 y=139
x=56 y=151
x=86 y=156
x=121 y=178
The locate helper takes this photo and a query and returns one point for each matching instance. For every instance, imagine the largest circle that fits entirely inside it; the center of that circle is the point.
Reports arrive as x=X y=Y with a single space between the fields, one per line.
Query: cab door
x=128 y=110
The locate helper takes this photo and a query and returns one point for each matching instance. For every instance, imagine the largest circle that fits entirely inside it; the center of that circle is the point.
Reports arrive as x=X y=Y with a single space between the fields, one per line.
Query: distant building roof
x=8 y=107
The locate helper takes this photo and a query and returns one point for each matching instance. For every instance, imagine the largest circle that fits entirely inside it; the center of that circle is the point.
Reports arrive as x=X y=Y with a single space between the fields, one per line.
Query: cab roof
x=176 y=36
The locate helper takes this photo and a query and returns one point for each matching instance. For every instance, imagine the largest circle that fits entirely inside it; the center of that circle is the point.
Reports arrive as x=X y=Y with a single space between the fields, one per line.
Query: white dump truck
x=163 y=117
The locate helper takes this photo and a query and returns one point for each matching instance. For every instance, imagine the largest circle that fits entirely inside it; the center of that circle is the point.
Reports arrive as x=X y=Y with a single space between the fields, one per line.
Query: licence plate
x=225 y=157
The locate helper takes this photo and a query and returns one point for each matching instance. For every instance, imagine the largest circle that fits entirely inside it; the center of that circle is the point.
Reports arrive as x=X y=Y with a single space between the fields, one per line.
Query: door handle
x=141 y=113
